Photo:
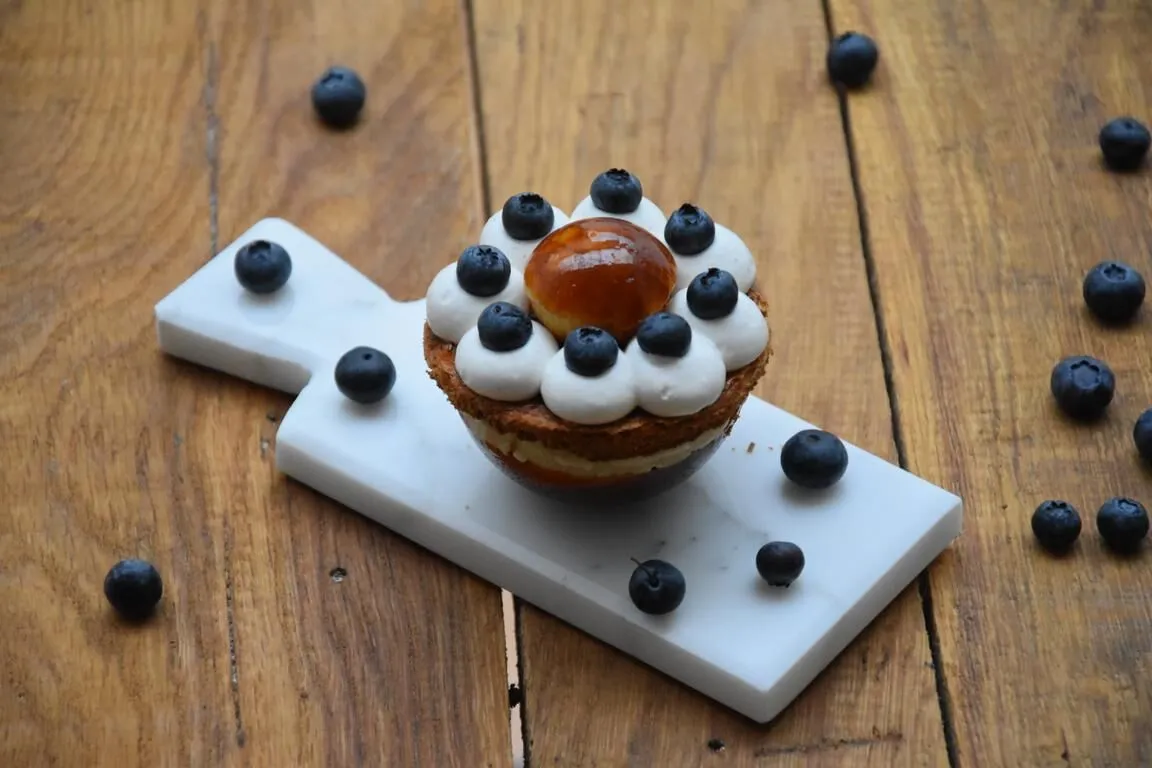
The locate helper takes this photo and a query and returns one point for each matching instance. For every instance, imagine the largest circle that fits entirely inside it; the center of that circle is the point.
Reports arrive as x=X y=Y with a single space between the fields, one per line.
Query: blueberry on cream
x=461 y=291
x=727 y=252
x=516 y=229
x=504 y=356
x=674 y=372
x=589 y=382
x=617 y=193
x=715 y=308
x=483 y=271
x=689 y=230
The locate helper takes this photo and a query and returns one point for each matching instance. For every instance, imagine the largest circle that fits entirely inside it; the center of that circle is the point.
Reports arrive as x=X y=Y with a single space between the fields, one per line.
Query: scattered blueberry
x=852 y=59
x=133 y=587
x=665 y=334
x=656 y=587
x=713 y=294
x=365 y=375
x=1056 y=525
x=1083 y=386
x=616 y=191
x=1124 y=142
x=338 y=97
x=813 y=458
x=589 y=351
x=1123 y=524
x=262 y=267
x=1142 y=435
x=527 y=216
x=483 y=270
x=1113 y=291
x=780 y=563
x=503 y=327
x=689 y=231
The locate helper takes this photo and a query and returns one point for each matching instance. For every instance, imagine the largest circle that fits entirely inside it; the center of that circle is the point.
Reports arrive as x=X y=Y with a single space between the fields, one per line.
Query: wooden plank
x=702 y=108
x=401 y=660
x=988 y=203
x=104 y=208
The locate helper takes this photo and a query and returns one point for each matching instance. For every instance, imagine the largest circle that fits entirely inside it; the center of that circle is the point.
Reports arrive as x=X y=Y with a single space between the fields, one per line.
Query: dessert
x=813 y=458
x=1124 y=142
x=851 y=60
x=587 y=373
x=1113 y=291
x=657 y=587
x=1083 y=387
x=779 y=563
x=1056 y=526
x=365 y=375
x=1123 y=525
x=262 y=267
x=133 y=588
x=338 y=97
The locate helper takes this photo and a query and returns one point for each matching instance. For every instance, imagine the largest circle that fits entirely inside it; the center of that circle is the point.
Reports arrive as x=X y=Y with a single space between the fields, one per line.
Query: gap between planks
x=924 y=583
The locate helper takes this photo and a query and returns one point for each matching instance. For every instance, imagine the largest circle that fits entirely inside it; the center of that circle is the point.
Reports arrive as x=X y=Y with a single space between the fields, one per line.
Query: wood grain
x=402 y=661
x=988 y=203
x=702 y=109
x=104 y=207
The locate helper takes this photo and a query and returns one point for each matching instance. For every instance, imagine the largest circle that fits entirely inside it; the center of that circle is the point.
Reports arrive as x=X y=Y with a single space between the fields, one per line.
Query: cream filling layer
x=540 y=455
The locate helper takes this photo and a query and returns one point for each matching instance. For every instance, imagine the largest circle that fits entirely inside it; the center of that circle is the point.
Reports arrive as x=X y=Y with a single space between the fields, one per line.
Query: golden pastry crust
x=637 y=434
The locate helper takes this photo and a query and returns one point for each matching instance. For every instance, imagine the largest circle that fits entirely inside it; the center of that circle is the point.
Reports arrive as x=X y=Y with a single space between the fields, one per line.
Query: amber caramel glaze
x=604 y=272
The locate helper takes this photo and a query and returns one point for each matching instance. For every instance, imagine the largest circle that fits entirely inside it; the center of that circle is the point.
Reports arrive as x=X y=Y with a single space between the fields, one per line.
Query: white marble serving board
x=409 y=464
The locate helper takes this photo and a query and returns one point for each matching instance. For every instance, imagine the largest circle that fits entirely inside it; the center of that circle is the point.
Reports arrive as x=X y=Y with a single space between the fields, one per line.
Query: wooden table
x=922 y=246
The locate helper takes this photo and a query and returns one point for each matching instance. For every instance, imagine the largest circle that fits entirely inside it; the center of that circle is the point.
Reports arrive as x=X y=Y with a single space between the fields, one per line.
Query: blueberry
x=338 y=97
x=1113 y=291
x=503 y=327
x=1124 y=142
x=1056 y=525
x=690 y=230
x=365 y=375
x=483 y=270
x=527 y=216
x=590 y=351
x=813 y=458
x=133 y=587
x=1083 y=386
x=852 y=59
x=656 y=587
x=664 y=334
x=780 y=563
x=262 y=267
x=616 y=191
x=713 y=294
x=1142 y=435
x=1123 y=524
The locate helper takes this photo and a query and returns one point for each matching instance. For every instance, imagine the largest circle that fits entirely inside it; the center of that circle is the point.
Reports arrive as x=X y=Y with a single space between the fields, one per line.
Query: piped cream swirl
x=740 y=336
x=452 y=311
x=589 y=399
x=510 y=377
x=727 y=252
x=678 y=386
x=646 y=216
x=517 y=251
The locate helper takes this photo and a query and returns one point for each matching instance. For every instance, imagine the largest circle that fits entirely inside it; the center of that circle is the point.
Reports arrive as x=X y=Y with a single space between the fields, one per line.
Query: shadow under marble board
x=409 y=464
